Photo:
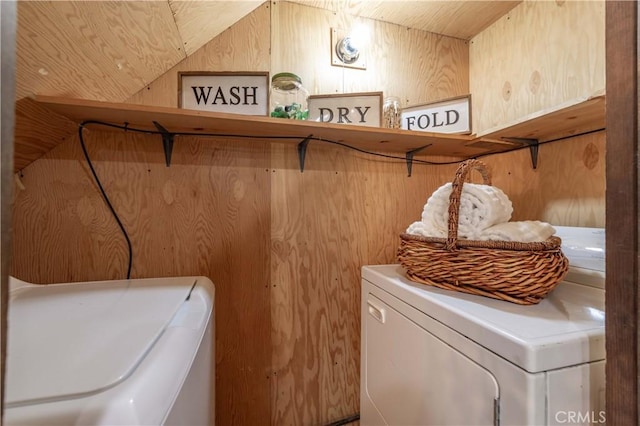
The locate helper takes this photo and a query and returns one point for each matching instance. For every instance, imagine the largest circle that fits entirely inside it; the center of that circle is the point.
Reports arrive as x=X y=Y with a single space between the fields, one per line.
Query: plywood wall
x=284 y=248
x=98 y=58
x=567 y=188
x=540 y=55
x=415 y=66
x=345 y=210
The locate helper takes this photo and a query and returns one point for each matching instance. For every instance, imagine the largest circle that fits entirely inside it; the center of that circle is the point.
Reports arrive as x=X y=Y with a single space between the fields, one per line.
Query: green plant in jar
x=288 y=97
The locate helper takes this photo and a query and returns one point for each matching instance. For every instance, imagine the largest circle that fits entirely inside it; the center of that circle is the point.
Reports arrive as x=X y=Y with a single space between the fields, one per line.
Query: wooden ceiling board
x=459 y=19
x=201 y=21
x=94 y=49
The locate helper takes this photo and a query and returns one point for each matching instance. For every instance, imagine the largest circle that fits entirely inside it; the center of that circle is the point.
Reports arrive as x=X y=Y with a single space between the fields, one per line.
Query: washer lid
x=584 y=247
x=70 y=340
x=566 y=328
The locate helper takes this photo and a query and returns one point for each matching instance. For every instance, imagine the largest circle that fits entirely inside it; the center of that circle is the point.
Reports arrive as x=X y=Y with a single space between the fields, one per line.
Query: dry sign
x=362 y=109
x=448 y=116
x=238 y=93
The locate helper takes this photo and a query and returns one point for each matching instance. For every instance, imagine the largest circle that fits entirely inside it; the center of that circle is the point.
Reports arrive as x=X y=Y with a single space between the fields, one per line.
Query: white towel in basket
x=481 y=206
x=526 y=231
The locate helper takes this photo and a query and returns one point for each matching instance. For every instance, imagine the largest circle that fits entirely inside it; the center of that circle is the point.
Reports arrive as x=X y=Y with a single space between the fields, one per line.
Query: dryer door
x=412 y=377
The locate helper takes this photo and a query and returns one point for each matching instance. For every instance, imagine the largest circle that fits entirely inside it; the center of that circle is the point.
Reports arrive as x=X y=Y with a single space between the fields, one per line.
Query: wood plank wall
x=284 y=248
x=540 y=55
x=413 y=65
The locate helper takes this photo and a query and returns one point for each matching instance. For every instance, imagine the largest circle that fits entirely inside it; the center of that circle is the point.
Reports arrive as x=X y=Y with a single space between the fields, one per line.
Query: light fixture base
x=337 y=37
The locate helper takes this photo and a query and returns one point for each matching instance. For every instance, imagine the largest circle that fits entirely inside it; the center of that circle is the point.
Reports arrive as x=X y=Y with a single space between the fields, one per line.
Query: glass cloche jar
x=288 y=98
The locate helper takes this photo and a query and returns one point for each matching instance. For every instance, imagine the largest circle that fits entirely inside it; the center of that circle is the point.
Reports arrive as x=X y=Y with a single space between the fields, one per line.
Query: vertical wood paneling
x=622 y=301
x=344 y=211
x=539 y=55
x=312 y=304
x=414 y=65
x=568 y=186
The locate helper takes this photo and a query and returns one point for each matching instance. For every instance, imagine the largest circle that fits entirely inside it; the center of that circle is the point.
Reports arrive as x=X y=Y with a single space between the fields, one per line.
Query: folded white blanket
x=481 y=206
x=421 y=228
x=525 y=231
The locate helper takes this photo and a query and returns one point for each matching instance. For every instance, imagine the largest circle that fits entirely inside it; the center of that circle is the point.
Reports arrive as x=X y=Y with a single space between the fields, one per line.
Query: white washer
x=436 y=357
x=130 y=352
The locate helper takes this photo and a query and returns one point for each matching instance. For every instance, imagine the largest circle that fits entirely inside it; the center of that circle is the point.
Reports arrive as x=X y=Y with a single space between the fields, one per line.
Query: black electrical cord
x=342 y=144
x=310 y=137
x=518 y=148
x=104 y=194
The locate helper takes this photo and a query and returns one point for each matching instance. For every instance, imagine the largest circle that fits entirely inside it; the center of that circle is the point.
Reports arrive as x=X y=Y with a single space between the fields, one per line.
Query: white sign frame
x=451 y=115
x=359 y=109
x=228 y=92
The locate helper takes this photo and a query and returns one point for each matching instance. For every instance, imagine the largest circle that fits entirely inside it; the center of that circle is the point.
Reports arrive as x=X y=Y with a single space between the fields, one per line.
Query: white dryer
x=437 y=357
x=130 y=352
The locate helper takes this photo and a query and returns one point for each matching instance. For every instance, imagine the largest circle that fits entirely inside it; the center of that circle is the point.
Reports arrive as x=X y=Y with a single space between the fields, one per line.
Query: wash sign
x=448 y=116
x=236 y=93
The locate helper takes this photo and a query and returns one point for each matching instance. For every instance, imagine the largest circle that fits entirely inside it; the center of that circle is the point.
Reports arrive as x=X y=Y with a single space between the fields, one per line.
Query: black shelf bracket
x=167 y=142
x=534 y=144
x=302 y=151
x=409 y=157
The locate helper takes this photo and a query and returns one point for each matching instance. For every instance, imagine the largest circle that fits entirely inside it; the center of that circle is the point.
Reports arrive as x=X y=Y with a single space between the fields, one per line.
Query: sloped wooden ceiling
x=202 y=20
x=454 y=18
x=108 y=50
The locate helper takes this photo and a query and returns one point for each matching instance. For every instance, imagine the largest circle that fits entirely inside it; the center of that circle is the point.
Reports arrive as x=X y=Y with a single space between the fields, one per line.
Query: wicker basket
x=522 y=273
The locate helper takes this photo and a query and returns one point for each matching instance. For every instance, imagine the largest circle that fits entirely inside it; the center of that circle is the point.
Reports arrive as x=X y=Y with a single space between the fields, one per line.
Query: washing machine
x=437 y=357
x=129 y=352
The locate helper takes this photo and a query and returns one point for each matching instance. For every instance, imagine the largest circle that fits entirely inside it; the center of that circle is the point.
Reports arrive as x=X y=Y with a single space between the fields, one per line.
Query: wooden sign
x=362 y=109
x=230 y=92
x=447 y=116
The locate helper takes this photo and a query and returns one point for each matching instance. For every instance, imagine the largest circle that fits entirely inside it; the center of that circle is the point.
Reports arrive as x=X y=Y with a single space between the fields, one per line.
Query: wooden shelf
x=48 y=114
x=182 y=120
x=572 y=118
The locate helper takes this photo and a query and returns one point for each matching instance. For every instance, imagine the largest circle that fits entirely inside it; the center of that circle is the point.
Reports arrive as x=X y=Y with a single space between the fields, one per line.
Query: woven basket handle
x=462 y=175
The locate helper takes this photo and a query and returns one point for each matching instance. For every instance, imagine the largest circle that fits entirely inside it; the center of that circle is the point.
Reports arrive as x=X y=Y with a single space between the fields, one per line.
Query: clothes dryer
x=436 y=357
